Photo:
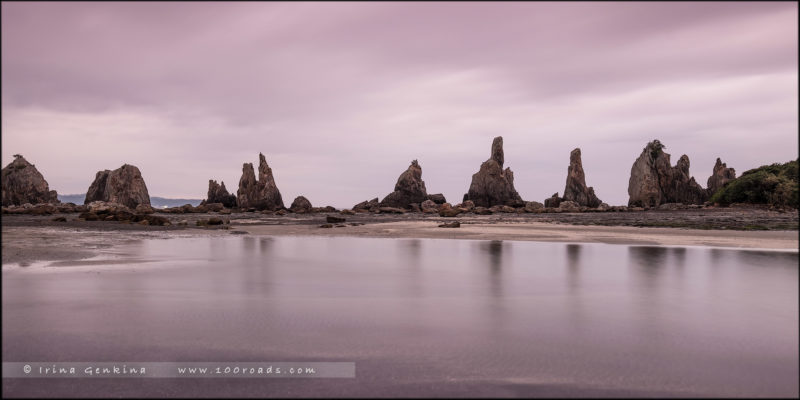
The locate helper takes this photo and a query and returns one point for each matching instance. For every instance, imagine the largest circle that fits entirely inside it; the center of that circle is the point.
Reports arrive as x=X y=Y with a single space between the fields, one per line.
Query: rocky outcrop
x=410 y=188
x=719 y=177
x=576 y=189
x=261 y=194
x=23 y=183
x=366 y=205
x=217 y=193
x=437 y=198
x=654 y=181
x=123 y=185
x=553 y=201
x=301 y=205
x=492 y=185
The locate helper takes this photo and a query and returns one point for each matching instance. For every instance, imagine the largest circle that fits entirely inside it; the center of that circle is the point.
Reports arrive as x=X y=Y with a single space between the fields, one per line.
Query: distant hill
x=155 y=201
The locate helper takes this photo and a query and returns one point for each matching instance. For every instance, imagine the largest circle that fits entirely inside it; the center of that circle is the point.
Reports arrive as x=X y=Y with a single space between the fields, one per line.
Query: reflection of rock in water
x=651 y=256
x=573 y=264
x=679 y=255
x=264 y=244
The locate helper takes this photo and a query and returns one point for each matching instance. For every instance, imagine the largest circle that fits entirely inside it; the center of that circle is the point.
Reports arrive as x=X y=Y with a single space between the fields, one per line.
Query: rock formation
x=437 y=198
x=301 y=205
x=552 y=201
x=123 y=185
x=22 y=183
x=719 y=177
x=217 y=193
x=576 y=189
x=492 y=185
x=261 y=194
x=410 y=188
x=654 y=181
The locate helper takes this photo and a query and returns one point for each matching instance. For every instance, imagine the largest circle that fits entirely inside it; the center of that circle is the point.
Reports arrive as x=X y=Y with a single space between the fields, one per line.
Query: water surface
x=419 y=317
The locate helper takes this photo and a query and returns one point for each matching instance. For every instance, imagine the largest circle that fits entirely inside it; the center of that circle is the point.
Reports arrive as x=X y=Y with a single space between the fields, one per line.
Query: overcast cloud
x=340 y=97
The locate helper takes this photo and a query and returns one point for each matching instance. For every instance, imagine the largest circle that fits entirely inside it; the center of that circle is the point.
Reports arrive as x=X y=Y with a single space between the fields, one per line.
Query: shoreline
x=546 y=232
x=60 y=245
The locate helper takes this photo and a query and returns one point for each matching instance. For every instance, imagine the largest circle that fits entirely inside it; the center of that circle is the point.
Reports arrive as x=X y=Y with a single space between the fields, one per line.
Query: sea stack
x=654 y=181
x=719 y=177
x=409 y=189
x=23 y=183
x=301 y=205
x=576 y=189
x=217 y=193
x=123 y=185
x=261 y=194
x=492 y=185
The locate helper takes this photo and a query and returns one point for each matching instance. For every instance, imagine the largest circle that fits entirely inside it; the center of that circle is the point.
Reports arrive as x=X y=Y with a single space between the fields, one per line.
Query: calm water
x=419 y=317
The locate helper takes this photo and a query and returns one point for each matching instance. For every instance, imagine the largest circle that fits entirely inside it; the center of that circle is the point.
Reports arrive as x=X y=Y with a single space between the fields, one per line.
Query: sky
x=340 y=97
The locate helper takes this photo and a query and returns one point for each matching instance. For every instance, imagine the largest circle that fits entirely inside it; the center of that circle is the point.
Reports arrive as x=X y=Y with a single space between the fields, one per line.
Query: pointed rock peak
x=414 y=163
x=497 y=150
x=575 y=156
x=261 y=159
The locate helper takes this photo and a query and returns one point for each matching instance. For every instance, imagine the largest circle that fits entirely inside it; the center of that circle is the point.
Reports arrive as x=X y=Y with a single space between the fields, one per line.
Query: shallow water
x=418 y=317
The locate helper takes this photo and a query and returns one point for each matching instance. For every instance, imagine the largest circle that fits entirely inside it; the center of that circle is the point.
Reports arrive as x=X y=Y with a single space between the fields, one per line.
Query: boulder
x=576 y=189
x=454 y=224
x=123 y=185
x=23 y=183
x=569 y=206
x=261 y=194
x=217 y=193
x=429 y=207
x=654 y=181
x=719 y=177
x=366 y=205
x=466 y=206
x=437 y=198
x=492 y=185
x=391 y=210
x=334 y=220
x=301 y=205
x=534 y=206
x=446 y=210
x=410 y=188
x=553 y=201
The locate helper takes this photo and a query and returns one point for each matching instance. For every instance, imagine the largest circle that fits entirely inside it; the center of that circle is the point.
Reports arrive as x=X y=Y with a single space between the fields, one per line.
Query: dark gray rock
x=217 y=193
x=261 y=194
x=553 y=201
x=492 y=185
x=410 y=188
x=576 y=189
x=301 y=205
x=719 y=177
x=123 y=185
x=23 y=183
x=654 y=181
x=437 y=198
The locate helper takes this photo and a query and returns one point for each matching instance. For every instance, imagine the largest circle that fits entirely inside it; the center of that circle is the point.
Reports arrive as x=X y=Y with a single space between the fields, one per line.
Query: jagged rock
x=533 y=206
x=23 y=183
x=301 y=205
x=366 y=205
x=261 y=194
x=654 y=181
x=492 y=185
x=719 y=177
x=569 y=206
x=553 y=201
x=217 y=193
x=429 y=207
x=410 y=188
x=437 y=198
x=123 y=185
x=576 y=189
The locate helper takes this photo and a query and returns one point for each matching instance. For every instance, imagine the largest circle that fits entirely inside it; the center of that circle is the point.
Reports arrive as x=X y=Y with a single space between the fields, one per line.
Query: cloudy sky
x=340 y=97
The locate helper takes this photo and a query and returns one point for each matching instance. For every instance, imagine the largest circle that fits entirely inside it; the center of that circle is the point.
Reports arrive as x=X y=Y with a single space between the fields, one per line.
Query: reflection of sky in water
x=669 y=318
